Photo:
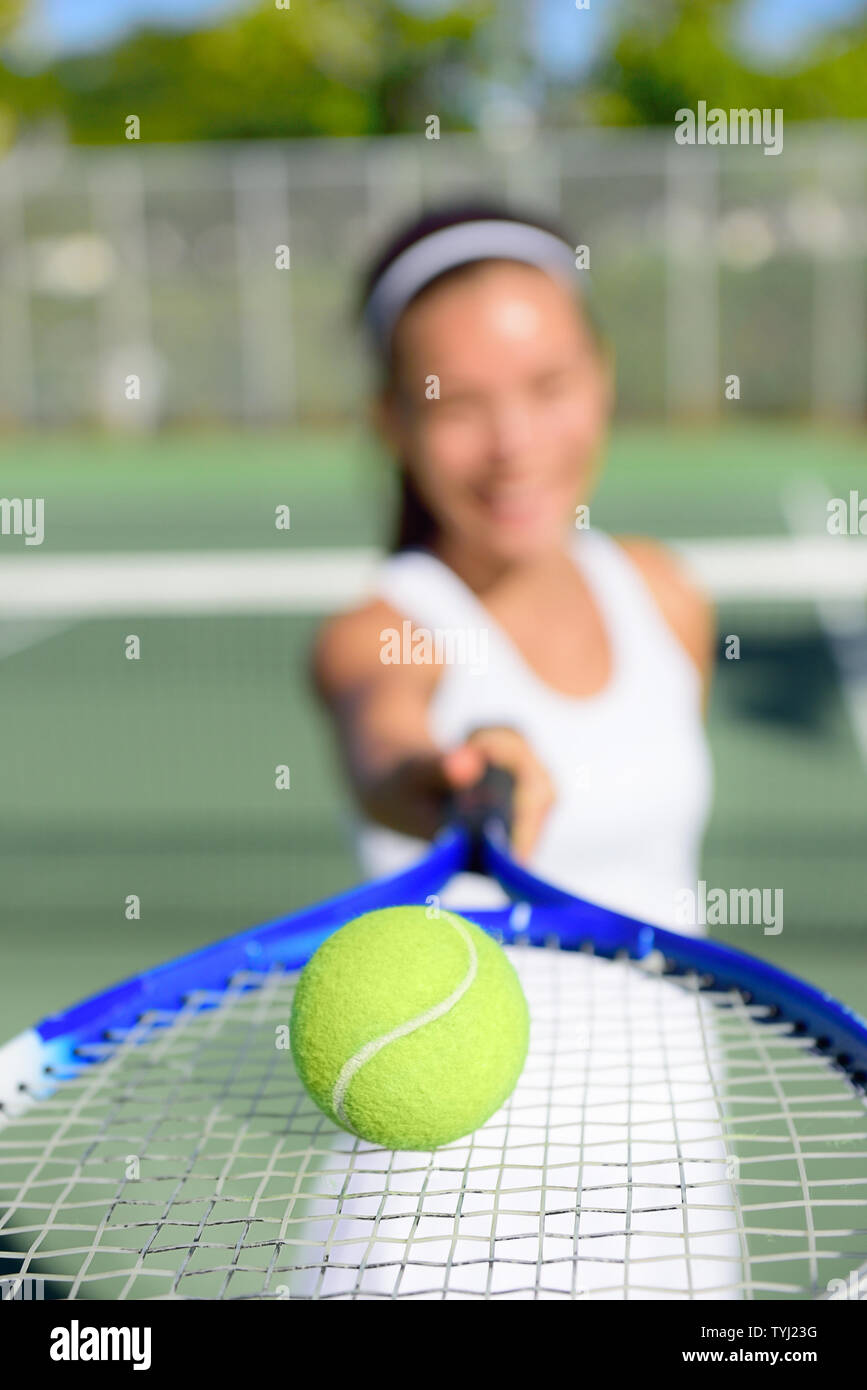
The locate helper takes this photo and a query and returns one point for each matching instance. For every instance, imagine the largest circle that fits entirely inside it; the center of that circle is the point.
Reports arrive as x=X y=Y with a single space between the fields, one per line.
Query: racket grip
x=489 y=800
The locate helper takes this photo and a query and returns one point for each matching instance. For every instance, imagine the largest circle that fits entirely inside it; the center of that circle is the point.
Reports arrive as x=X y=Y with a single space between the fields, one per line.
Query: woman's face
x=499 y=409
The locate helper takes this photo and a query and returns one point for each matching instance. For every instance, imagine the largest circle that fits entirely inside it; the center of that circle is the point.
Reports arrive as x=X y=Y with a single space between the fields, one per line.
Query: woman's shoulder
x=684 y=605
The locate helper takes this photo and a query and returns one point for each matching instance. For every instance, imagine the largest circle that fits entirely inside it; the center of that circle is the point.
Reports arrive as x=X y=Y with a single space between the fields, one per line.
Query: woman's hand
x=534 y=791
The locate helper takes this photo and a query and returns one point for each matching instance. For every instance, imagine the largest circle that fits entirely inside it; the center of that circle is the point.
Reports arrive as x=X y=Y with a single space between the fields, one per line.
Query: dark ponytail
x=415 y=528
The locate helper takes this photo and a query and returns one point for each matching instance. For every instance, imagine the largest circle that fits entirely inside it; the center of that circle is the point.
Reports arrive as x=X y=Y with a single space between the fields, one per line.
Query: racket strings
x=664 y=1141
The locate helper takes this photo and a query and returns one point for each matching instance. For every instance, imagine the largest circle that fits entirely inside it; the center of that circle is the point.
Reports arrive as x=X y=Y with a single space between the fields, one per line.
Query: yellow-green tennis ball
x=409 y=1030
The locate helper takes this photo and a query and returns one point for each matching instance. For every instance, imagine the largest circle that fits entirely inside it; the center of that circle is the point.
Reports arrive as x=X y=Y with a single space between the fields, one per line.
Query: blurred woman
x=503 y=629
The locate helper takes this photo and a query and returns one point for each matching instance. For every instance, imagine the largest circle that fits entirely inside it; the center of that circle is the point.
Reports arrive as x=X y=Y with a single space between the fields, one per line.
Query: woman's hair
x=415 y=525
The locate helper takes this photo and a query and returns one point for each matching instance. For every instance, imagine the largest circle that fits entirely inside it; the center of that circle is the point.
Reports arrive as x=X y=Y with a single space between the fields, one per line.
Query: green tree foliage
x=11 y=12
x=675 y=53
x=371 y=67
x=322 y=67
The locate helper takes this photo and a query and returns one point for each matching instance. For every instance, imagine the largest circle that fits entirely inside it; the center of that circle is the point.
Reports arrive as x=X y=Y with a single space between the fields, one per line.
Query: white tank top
x=630 y=765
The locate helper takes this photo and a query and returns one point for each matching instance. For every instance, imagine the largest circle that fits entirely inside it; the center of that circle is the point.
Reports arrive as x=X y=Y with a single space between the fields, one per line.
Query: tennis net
x=754 y=569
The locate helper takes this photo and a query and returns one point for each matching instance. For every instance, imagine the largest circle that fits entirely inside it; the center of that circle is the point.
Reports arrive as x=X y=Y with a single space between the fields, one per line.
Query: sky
x=566 y=39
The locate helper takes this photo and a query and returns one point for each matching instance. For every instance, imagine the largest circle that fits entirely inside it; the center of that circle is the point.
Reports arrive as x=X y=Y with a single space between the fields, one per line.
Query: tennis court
x=155 y=778
x=205 y=283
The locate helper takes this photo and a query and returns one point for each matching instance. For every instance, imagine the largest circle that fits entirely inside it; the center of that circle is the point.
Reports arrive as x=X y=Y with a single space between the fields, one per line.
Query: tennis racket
x=691 y=1123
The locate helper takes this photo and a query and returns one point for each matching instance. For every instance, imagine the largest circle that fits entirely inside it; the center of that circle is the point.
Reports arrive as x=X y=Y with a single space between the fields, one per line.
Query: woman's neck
x=482 y=571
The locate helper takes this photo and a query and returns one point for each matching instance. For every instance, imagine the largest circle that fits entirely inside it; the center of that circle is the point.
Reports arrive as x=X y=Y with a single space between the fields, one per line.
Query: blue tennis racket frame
x=32 y=1064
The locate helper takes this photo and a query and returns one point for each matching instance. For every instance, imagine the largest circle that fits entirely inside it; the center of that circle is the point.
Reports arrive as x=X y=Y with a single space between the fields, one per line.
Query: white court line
x=843 y=620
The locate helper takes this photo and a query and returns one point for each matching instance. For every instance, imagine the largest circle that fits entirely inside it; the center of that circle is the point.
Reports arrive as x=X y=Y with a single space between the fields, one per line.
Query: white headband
x=458 y=245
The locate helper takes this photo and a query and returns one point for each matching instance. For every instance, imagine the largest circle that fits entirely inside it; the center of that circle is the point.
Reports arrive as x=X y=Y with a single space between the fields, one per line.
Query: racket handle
x=489 y=800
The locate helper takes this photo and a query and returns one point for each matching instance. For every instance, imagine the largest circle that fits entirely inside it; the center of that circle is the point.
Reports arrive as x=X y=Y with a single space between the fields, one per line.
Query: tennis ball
x=409 y=1030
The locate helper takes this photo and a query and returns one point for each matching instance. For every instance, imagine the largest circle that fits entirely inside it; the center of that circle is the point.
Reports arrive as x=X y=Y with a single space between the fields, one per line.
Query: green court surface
x=199 y=490
x=155 y=777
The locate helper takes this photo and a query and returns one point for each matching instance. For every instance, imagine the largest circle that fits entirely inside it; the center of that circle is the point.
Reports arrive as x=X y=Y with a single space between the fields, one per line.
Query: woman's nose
x=511 y=428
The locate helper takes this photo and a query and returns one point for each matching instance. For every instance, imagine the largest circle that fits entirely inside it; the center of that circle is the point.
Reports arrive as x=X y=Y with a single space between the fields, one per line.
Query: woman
x=502 y=632
x=589 y=666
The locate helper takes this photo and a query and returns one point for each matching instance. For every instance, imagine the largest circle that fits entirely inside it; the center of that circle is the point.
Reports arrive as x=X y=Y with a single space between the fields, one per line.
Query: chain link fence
x=160 y=262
